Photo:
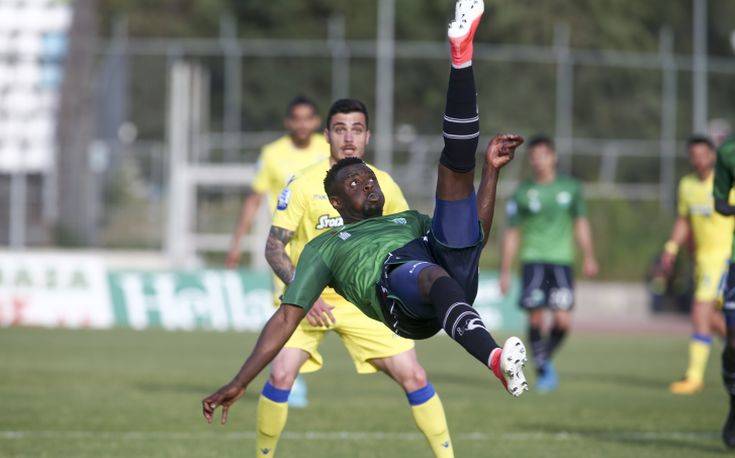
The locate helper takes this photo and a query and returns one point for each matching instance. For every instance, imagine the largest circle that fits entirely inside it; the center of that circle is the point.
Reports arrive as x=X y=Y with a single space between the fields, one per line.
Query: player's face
x=542 y=160
x=302 y=122
x=348 y=135
x=359 y=195
x=702 y=158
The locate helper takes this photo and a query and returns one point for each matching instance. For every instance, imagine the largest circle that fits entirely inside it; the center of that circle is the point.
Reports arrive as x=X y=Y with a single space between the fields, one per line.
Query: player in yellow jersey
x=304 y=212
x=278 y=162
x=712 y=234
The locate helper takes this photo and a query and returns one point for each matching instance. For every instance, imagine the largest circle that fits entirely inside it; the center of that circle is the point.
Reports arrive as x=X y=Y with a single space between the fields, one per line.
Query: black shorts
x=547 y=285
x=460 y=263
x=728 y=306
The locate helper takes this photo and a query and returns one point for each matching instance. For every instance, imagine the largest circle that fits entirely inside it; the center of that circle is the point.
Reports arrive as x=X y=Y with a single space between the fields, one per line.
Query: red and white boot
x=467 y=15
x=507 y=365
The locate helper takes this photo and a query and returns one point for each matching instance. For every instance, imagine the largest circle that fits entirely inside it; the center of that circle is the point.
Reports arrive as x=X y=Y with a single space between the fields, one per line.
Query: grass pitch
x=124 y=393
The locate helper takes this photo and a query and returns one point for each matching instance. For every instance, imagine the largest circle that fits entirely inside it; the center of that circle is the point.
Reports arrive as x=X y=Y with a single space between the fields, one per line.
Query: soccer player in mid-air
x=724 y=183
x=414 y=273
x=712 y=235
x=544 y=215
x=303 y=213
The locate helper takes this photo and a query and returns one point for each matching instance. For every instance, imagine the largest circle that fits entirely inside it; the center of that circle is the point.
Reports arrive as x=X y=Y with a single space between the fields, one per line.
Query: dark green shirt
x=545 y=215
x=350 y=259
x=725 y=175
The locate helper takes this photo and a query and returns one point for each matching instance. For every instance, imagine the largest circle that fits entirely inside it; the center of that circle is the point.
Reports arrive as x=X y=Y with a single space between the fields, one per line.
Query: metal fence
x=133 y=105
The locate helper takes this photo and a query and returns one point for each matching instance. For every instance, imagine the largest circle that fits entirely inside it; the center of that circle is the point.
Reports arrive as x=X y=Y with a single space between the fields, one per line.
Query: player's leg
x=461 y=120
x=426 y=407
x=272 y=410
x=427 y=292
x=728 y=357
x=300 y=354
x=699 y=349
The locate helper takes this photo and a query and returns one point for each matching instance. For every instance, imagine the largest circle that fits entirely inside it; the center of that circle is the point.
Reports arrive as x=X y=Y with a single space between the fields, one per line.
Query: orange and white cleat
x=686 y=386
x=467 y=15
x=507 y=365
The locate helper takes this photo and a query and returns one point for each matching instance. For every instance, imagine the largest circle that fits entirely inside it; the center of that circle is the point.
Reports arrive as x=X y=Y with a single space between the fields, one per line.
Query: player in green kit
x=416 y=274
x=544 y=216
x=724 y=182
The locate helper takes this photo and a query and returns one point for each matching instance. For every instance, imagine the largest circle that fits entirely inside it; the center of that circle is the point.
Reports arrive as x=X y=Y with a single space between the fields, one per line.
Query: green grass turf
x=126 y=393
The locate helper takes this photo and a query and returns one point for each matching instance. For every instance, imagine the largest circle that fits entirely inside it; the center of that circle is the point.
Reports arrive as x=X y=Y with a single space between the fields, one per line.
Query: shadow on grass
x=694 y=442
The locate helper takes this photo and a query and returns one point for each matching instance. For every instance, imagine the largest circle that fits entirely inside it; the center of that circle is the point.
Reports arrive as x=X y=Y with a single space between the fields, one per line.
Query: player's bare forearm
x=486 y=199
x=511 y=242
x=249 y=208
x=275 y=253
x=680 y=232
x=724 y=208
x=273 y=337
x=583 y=233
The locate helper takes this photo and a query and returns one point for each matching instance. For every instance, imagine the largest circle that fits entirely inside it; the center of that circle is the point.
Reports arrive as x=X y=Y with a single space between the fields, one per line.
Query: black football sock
x=728 y=369
x=461 y=321
x=538 y=348
x=556 y=336
x=461 y=121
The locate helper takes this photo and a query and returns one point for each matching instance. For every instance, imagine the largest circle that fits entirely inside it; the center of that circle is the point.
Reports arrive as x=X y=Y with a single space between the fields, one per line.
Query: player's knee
x=282 y=378
x=415 y=379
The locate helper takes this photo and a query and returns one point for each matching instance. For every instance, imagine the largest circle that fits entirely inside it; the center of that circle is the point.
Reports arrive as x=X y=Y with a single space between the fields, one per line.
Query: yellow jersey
x=303 y=207
x=712 y=232
x=279 y=161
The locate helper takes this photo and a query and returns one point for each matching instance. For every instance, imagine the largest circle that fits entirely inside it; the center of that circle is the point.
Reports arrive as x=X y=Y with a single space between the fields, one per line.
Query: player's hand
x=667 y=262
x=233 y=258
x=320 y=314
x=501 y=149
x=504 y=283
x=590 y=267
x=224 y=397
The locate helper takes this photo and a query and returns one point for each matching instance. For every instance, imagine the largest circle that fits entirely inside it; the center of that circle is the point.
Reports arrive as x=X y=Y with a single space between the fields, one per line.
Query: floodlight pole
x=699 y=64
x=384 y=82
x=17 y=209
x=233 y=85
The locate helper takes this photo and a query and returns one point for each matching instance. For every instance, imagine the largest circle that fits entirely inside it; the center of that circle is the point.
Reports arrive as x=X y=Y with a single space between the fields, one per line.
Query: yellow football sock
x=430 y=419
x=698 y=356
x=271 y=421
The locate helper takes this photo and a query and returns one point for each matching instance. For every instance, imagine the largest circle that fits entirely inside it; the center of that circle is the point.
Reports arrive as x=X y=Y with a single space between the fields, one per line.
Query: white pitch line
x=641 y=436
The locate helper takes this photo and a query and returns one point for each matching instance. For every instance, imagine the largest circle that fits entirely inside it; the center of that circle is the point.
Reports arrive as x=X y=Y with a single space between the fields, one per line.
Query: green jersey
x=350 y=259
x=545 y=215
x=725 y=175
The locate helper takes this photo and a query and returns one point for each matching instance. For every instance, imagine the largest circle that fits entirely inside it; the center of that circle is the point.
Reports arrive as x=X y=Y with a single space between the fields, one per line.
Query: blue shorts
x=547 y=285
x=455 y=244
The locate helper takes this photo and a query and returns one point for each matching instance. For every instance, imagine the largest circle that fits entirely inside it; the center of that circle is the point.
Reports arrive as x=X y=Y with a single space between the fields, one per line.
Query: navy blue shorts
x=547 y=285
x=454 y=243
x=728 y=306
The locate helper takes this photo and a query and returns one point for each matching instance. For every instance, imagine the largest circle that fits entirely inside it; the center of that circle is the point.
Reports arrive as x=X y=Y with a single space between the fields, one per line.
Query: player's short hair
x=541 y=140
x=348 y=106
x=331 y=177
x=298 y=101
x=698 y=139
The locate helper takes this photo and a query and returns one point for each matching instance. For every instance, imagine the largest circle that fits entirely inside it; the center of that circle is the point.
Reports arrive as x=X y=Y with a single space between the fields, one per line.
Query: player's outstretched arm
x=511 y=244
x=499 y=153
x=275 y=253
x=272 y=338
x=583 y=234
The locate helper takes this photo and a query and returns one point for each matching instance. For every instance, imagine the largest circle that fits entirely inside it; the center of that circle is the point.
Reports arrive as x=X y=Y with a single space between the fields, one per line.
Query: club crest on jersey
x=283 y=198
x=328 y=222
x=344 y=235
x=563 y=198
